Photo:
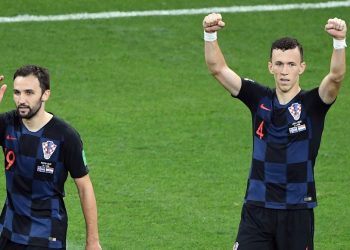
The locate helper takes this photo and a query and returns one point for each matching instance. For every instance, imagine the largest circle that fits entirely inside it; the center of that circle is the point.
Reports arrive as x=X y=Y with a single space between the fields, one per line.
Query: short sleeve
x=2 y=128
x=6 y=119
x=313 y=100
x=251 y=93
x=74 y=155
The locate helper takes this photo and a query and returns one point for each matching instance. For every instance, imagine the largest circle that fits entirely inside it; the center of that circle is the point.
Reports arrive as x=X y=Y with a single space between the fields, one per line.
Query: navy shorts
x=6 y=244
x=275 y=229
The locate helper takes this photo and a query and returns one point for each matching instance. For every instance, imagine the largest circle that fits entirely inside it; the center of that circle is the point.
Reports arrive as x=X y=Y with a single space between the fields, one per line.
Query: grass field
x=168 y=149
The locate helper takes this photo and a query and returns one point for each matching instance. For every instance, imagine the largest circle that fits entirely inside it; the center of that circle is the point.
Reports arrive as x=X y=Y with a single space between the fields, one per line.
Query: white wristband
x=339 y=44
x=210 y=37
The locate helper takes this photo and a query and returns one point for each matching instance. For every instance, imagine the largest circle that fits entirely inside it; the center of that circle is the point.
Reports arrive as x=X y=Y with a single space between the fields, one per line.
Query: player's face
x=286 y=66
x=28 y=96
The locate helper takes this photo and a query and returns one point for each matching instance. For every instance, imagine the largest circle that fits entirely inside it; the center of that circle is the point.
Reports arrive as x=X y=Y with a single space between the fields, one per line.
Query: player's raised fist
x=213 y=22
x=2 y=88
x=336 y=28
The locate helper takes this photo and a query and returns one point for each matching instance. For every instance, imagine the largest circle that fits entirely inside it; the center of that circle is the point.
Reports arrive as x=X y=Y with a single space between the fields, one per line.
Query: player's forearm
x=338 y=65
x=214 y=57
x=91 y=225
x=89 y=207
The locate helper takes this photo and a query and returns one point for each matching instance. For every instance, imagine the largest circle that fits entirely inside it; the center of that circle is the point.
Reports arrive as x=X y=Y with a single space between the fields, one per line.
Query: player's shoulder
x=9 y=117
x=310 y=95
x=253 y=82
x=253 y=85
x=247 y=80
x=63 y=127
x=306 y=92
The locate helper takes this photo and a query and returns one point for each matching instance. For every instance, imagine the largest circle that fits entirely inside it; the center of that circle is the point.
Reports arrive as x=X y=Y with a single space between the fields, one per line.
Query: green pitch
x=168 y=148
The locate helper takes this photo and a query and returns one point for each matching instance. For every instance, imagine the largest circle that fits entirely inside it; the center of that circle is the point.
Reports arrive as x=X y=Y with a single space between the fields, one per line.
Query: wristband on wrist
x=339 y=44
x=210 y=37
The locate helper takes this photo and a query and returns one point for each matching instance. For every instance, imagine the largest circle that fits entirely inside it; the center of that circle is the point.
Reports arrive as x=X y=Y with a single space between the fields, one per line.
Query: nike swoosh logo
x=262 y=106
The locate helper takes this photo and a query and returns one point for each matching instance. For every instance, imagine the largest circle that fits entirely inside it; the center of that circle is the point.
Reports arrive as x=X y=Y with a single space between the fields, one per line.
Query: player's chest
x=282 y=121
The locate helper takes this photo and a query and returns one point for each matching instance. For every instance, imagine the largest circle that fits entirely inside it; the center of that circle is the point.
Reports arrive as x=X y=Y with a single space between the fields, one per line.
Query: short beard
x=31 y=112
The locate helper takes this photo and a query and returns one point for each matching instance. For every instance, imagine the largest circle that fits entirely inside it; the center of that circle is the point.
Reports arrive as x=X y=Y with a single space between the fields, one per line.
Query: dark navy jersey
x=286 y=139
x=36 y=167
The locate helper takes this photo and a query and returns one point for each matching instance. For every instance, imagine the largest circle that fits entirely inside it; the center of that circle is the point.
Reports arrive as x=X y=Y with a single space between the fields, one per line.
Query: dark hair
x=39 y=72
x=286 y=43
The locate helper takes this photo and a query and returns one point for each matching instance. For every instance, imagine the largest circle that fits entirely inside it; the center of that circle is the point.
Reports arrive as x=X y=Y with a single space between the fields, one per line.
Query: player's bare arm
x=331 y=84
x=214 y=58
x=89 y=207
x=2 y=88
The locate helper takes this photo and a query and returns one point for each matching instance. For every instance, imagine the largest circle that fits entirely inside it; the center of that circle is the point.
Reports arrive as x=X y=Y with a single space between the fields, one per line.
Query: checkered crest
x=48 y=149
x=295 y=110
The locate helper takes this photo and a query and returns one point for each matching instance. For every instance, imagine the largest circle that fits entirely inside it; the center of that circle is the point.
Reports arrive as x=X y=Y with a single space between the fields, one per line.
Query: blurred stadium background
x=168 y=148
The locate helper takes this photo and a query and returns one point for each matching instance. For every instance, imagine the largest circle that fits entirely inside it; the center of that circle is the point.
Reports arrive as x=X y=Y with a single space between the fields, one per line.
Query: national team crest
x=295 y=110
x=48 y=149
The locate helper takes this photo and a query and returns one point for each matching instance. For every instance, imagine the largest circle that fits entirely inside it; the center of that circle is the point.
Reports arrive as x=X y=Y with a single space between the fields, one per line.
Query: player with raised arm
x=287 y=125
x=40 y=150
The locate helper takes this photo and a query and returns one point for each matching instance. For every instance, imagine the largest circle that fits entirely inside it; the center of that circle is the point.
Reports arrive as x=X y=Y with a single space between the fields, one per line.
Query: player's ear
x=45 y=95
x=269 y=65
x=302 y=67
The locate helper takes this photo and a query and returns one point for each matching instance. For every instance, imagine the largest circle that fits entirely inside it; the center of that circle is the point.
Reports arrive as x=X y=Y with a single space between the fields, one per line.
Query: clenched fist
x=336 y=28
x=213 y=22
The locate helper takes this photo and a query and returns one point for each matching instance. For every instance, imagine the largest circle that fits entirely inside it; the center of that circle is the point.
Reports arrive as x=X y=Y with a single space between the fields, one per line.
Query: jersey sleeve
x=2 y=128
x=6 y=119
x=251 y=93
x=74 y=156
x=312 y=98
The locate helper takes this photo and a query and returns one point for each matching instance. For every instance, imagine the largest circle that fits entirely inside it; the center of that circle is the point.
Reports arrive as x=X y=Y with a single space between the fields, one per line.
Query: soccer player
x=40 y=150
x=287 y=124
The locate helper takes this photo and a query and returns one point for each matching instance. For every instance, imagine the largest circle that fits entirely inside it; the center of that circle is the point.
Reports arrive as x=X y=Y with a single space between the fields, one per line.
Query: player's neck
x=285 y=97
x=38 y=121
